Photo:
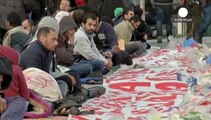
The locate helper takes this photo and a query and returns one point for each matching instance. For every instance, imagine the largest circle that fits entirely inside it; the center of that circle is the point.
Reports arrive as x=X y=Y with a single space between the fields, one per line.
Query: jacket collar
x=43 y=47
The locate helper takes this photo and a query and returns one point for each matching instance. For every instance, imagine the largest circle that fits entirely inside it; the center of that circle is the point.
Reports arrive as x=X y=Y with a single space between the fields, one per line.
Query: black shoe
x=198 y=39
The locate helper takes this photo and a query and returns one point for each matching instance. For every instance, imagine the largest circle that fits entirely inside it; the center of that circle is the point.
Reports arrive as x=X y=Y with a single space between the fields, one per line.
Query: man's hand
x=146 y=37
x=3 y=105
x=109 y=64
x=71 y=39
x=72 y=79
x=107 y=54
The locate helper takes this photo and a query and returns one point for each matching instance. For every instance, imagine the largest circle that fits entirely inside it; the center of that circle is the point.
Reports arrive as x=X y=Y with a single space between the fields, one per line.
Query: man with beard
x=84 y=44
x=106 y=41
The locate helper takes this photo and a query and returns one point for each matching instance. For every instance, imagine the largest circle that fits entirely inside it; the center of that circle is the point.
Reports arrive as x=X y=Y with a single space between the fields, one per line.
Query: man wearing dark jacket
x=143 y=32
x=106 y=40
x=39 y=54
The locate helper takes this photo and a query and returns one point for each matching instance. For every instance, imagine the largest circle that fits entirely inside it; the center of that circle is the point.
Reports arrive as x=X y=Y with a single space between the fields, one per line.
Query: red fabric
x=18 y=85
x=80 y=2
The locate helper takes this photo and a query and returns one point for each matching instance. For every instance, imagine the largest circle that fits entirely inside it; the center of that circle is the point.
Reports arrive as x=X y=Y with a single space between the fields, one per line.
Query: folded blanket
x=43 y=83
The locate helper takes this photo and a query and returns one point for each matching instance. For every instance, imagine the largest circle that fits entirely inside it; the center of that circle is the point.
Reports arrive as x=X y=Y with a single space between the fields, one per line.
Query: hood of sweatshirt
x=10 y=53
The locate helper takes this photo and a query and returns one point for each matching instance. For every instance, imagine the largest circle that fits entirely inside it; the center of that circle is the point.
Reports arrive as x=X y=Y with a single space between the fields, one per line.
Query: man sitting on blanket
x=39 y=54
x=65 y=57
x=84 y=44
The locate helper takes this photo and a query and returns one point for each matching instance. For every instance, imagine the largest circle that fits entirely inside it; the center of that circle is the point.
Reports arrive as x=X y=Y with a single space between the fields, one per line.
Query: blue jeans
x=85 y=67
x=16 y=109
x=205 y=21
x=164 y=13
x=63 y=87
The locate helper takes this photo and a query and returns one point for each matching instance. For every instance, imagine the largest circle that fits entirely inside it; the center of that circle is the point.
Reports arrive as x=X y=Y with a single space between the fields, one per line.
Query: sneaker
x=95 y=91
x=105 y=71
x=198 y=39
x=159 y=39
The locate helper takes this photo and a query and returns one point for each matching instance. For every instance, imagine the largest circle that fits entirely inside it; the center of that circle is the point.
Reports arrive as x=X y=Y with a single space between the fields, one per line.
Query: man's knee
x=98 y=64
x=16 y=109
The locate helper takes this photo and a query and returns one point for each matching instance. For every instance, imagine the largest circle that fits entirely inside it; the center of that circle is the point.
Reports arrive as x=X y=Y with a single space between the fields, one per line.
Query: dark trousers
x=205 y=21
x=193 y=26
x=164 y=13
x=16 y=109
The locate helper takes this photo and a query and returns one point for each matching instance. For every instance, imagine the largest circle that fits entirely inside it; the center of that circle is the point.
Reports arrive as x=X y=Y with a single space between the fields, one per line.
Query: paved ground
x=153 y=42
x=164 y=44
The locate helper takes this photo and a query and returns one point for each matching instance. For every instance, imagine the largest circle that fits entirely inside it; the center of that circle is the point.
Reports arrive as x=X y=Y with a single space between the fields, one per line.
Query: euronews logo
x=183 y=15
x=183 y=12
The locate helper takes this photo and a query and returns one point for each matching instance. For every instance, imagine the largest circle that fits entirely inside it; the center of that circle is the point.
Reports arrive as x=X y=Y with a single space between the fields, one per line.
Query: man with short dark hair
x=124 y=30
x=16 y=35
x=106 y=41
x=39 y=54
x=126 y=15
x=28 y=25
x=13 y=20
x=84 y=44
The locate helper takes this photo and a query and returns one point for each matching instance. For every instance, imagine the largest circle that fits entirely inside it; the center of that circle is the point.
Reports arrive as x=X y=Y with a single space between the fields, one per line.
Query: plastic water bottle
x=192 y=85
x=209 y=59
x=179 y=76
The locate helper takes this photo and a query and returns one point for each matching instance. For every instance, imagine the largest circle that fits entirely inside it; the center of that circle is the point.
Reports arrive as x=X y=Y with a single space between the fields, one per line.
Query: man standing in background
x=164 y=12
x=205 y=21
